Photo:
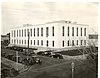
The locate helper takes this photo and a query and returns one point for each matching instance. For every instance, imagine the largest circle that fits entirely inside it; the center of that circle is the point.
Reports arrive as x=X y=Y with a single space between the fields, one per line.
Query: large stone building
x=57 y=34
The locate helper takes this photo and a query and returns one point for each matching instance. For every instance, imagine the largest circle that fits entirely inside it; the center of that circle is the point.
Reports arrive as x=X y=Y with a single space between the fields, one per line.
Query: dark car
x=32 y=60
x=40 y=53
x=36 y=60
x=57 y=55
x=8 y=47
x=29 y=53
x=19 y=49
x=28 y=61
x=47 y=53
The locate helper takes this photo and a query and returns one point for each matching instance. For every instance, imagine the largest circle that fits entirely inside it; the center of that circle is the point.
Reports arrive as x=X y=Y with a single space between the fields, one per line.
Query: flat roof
x=61 y=21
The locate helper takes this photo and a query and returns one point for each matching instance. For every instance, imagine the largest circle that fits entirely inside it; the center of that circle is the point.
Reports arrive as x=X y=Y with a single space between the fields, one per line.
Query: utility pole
x=72 y=64
x=28 y=43
x=17 y=60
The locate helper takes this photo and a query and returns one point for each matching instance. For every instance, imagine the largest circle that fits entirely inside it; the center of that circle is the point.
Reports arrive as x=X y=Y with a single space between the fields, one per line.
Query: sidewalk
x=15 y=65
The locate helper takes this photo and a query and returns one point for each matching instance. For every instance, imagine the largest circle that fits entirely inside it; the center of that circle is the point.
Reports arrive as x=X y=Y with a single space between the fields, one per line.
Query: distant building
x=57 y=34
x=93 y=39
x=5 y=39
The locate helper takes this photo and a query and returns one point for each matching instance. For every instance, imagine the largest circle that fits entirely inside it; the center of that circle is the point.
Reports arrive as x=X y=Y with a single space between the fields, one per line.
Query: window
x=81 y=42
x=77 y=42
x=52 y=31
x=53 y=43
x=47 y=43
x=34 y=42
x=17 y=41
x=72 y=42
x=37 y=31
x=84 y=42
x=68 y=42
x=77 y=31
x=17 y=33
x=12 y=41
x=25 y=32
x=12 y=33
x=41 y=31
x=41 y=42
x=22 y=32
x=47 y=31
x=25 y=41
x=68 y=31
x=62 y=43
x=37 y=42
x=31 y=32
x=72 y=31
x=81 y=31
x=22 y=41
x=31 y=42
x=63 y=31
x=84 y=31
x=34 y=32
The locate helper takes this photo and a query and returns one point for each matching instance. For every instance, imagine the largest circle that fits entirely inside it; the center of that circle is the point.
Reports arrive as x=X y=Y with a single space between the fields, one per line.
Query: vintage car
x=25 y=52
x=41 y=53
x=32 y=60
x=56 y=55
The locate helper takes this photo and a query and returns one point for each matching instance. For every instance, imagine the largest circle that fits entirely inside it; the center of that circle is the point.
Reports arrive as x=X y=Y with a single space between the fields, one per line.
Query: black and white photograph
x=49 y=39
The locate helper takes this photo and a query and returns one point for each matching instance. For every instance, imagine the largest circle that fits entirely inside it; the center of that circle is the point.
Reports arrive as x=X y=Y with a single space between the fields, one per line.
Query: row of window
x=73 y=29
x=47 y=42
x=26 y=32
x=20 y=32
x=73 y=43
x=31 y=43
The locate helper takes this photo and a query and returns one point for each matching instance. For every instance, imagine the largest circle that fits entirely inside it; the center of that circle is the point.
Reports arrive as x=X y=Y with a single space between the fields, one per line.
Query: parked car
x=40 y=53
x=47 y=53
x=25 y=52
x=56 y=55
x=19 y=49
x=8 y=47
x=37 y=60
x=32 y=60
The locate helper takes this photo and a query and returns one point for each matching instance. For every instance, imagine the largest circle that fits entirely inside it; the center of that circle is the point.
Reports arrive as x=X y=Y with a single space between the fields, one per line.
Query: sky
x=15 y=14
